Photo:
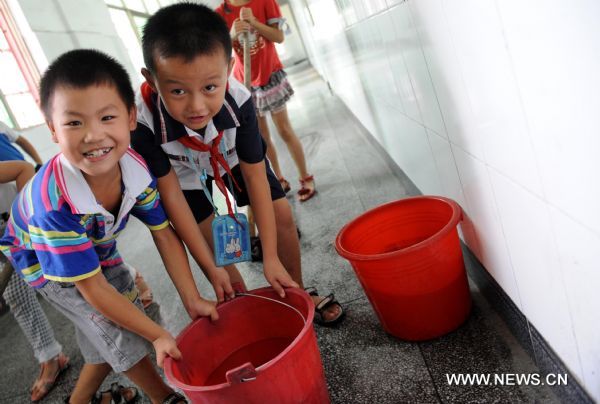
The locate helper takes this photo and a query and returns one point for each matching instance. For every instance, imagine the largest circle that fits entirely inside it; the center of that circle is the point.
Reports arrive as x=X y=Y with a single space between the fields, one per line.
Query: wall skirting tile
x=530 y=339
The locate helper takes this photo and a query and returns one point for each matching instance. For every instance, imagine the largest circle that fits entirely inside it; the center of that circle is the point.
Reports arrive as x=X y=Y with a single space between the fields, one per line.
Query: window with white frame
x=129 y=18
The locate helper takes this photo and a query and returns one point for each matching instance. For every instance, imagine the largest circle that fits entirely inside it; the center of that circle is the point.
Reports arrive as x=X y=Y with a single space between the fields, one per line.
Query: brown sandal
x=306 y=193
x=285 y=184
x=45 y=387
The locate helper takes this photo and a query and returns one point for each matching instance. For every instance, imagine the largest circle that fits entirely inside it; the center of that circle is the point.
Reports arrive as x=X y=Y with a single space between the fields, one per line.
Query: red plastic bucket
x=407 y=257
x=259 y=351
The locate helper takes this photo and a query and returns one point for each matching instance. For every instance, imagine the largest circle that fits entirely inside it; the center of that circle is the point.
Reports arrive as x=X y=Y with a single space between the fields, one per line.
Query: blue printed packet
x=231 y=239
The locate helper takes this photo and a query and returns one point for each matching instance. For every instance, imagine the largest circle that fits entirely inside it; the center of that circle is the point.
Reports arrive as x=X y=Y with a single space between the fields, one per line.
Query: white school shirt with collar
x=134 y=177
x=178 y=155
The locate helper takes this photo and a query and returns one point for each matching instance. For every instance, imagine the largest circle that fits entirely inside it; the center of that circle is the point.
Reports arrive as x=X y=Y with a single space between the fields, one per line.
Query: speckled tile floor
x=362 y=363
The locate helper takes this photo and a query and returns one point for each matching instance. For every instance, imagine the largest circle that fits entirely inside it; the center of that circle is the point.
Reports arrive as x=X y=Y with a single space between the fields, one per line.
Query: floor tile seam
x=428 y=368
x=344 y=161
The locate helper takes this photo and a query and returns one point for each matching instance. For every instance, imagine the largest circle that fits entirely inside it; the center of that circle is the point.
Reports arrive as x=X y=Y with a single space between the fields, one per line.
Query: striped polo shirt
x=58 y=232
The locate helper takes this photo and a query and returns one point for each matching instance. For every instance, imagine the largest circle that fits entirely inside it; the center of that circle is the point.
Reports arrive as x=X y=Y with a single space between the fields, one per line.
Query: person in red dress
x=270 y=88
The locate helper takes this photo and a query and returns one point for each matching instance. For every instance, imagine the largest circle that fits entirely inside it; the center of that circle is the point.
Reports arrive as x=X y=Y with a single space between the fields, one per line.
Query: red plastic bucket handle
x=241 y=374
x=237 y=294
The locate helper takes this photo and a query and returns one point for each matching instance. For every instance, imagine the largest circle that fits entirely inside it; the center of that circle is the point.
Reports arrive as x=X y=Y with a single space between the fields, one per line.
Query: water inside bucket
x=257 y=353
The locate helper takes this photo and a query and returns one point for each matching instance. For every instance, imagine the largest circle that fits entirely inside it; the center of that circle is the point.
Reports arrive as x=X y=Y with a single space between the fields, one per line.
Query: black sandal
x=322 y=306
x=116 y=395
x=256 y=249
x=174 y=398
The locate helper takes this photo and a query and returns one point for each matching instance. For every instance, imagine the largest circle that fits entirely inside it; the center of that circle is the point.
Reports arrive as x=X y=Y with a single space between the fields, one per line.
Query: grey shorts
x=99 y=339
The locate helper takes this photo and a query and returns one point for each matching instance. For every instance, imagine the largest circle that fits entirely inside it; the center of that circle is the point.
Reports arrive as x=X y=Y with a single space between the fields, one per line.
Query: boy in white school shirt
x=192 y=117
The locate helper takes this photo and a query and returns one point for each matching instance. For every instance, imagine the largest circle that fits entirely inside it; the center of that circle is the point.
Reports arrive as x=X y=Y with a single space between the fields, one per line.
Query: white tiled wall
x=494 y=104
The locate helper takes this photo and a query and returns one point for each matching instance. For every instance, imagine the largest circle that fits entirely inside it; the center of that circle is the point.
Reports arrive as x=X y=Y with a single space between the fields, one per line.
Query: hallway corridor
x=362 y=363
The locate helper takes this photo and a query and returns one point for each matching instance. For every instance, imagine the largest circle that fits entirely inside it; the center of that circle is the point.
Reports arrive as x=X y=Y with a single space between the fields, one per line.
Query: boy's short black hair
x=82 y=68
x=186 y=30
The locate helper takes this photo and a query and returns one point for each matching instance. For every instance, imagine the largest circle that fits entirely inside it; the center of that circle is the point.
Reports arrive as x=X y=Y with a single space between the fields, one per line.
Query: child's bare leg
x=147 y=378
x=206 y=229
x=288 y=247
x=284 y=127
x=271 y=151
x=90 y=379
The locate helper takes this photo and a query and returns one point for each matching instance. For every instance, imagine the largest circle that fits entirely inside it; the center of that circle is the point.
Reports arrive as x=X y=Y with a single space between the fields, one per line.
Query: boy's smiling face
x=92 y=127
x=192 y=91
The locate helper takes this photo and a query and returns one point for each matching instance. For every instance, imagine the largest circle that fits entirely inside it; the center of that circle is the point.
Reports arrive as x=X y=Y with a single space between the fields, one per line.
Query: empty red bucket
x=259 y=351
x=407 y=257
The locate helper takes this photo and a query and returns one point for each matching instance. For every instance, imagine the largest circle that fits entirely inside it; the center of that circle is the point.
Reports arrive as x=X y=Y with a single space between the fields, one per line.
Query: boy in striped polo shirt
x=61 y=237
